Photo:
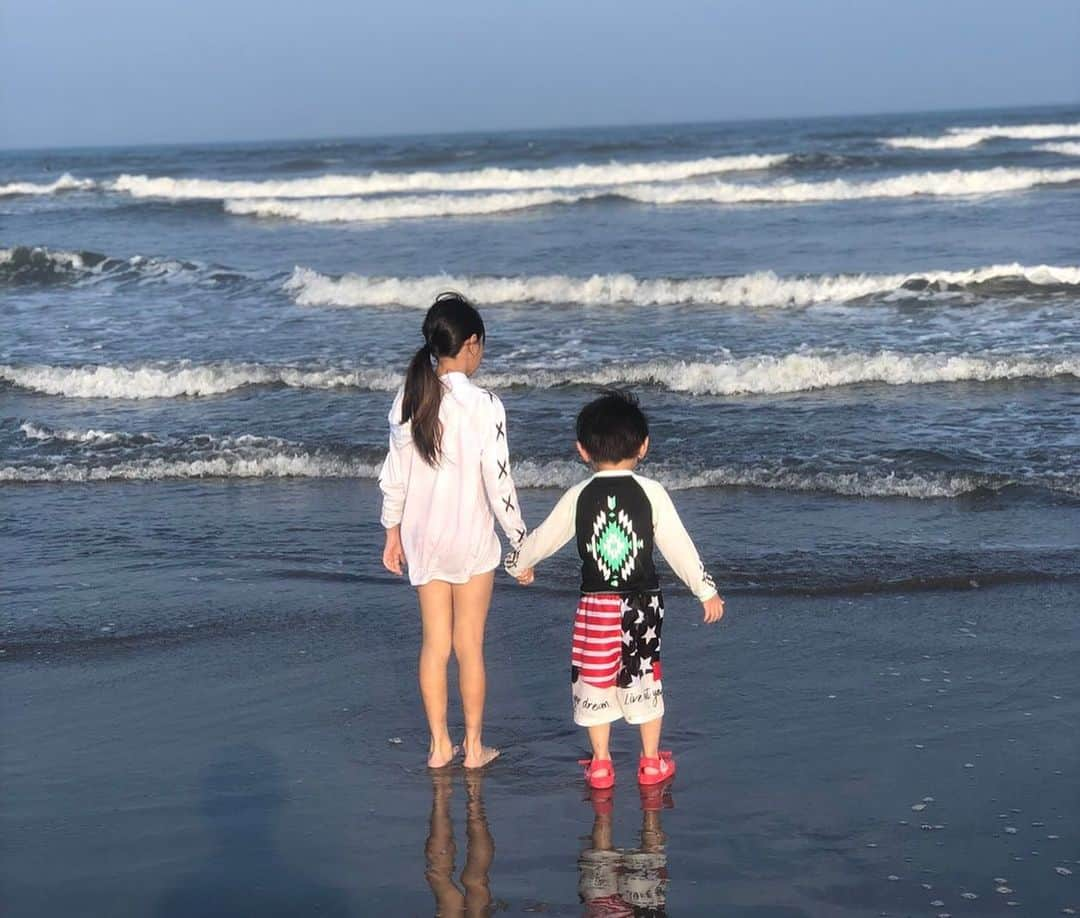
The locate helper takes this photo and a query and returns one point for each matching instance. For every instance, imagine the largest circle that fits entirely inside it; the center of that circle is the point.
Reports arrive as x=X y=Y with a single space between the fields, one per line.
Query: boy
x=617 y=517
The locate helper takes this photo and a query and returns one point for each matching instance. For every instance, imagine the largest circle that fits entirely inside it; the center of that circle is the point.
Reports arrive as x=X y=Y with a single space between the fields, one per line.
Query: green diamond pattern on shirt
x=614 y=545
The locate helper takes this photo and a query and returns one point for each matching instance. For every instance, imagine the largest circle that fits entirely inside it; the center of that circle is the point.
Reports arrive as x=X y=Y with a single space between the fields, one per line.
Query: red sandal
x=599 y=773
x=656 y=770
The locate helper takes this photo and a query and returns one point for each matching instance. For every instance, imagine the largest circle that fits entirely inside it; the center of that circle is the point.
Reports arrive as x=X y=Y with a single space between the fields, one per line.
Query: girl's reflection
x=474 y=895
x=618 y=883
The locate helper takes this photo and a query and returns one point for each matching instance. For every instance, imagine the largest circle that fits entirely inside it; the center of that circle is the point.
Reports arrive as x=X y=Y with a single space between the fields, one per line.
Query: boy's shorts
x=615 y=662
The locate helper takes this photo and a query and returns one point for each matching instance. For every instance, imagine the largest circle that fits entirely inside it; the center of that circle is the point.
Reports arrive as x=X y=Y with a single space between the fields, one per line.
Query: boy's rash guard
x=447 y=512
x=617 y=516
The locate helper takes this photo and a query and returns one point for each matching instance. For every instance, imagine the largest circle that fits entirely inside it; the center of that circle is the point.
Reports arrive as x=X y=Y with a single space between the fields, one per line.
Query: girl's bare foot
x=484 y=755
x=441 y=755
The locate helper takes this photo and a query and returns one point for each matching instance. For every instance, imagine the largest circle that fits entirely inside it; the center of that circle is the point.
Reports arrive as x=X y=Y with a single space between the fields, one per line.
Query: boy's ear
x=585 y=457
x=644 y=451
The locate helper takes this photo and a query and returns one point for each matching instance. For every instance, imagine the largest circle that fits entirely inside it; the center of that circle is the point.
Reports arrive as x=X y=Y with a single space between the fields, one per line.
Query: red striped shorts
x=615 y=658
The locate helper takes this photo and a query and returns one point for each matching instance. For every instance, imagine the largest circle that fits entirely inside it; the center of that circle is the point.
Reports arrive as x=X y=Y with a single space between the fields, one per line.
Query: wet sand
x=838 y=756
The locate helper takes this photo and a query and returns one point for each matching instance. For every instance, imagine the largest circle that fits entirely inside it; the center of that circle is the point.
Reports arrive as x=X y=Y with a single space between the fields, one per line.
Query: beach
x=858 y=753
x=857 y=342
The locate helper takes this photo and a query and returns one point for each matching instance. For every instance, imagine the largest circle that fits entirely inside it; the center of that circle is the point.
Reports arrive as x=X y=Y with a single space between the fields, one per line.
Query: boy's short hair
x=612 y=427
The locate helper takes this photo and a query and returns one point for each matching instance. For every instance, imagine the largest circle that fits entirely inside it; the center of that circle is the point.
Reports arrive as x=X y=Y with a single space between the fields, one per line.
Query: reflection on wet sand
x=473 y=897
x=620 y=883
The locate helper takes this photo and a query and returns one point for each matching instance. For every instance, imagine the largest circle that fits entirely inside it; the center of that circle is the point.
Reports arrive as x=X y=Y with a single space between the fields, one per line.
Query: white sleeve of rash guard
x=674 y=542
x=549 y=536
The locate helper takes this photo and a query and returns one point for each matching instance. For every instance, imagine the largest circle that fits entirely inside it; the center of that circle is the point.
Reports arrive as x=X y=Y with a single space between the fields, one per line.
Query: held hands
x=393 y=556
x=714 y=609
x=526 y=577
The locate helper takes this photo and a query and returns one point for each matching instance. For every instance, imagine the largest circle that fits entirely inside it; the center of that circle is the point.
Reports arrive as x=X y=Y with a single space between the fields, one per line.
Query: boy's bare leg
x=601 y=830
x=650 y=738
x=652 y=832
x=436 y=615
x=471 y=602
x=599 y=737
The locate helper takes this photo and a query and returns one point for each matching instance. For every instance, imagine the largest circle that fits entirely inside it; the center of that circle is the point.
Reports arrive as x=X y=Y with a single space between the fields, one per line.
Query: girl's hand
x=526 y=577
x=714 y=609
x=393 y=556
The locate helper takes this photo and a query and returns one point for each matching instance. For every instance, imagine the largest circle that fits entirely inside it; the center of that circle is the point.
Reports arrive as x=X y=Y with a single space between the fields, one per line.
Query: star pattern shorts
x=615 y=661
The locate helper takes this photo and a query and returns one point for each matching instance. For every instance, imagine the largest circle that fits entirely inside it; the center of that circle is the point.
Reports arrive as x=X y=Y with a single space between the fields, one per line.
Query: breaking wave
x=295 y=465
x=487 y=179
x=958 y=138
x=66 y=182
x=352 y=210
x=267 y=457
x=753 y=375
x=863 y=483
x=149 y=457
x=1065 y=149
x=25 y=265
x=955 y=183
x=34 y=431
x=763 y=288
x=184 y=379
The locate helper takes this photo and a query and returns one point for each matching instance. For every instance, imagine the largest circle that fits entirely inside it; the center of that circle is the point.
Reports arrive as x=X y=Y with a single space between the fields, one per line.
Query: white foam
x=37 y=432
x=66 y=182
x=529 y=474
x=356 y=210
x=955 y=183
x=488 y=179
x=800 y=372
x=1065 y=149
x=956 y=138
x=298 y=465
x=762 y=374
x=64 y=260
x=762 y=288
x=157 y=381
x=865 y=483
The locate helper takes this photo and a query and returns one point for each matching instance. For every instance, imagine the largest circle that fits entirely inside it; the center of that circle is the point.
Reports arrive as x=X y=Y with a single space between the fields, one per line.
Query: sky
x=74 y=72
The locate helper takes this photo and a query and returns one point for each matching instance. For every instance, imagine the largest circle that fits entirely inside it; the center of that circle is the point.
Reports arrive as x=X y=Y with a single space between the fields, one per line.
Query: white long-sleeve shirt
x=617 y=516
x=447 y=512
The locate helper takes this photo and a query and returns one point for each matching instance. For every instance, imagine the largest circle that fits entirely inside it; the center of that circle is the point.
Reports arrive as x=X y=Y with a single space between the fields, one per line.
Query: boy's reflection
x=617 y=883
x=440 y=850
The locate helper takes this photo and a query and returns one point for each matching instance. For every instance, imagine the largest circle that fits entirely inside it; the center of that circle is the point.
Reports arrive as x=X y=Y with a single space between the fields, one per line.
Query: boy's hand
x=714 y=609
x=393 y=556
x=526 y=577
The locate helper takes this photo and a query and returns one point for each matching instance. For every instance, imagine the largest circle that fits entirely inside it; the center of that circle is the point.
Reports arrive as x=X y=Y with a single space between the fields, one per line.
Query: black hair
x=612 y=427
x=450 y=322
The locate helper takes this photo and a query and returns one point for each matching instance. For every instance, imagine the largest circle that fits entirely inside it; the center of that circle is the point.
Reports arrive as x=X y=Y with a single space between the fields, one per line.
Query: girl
x=445 y=479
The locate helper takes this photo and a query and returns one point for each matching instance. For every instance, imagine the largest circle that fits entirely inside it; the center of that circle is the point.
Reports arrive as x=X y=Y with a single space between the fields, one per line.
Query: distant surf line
x=959 y=138
x=489 y=178
x=955 y=183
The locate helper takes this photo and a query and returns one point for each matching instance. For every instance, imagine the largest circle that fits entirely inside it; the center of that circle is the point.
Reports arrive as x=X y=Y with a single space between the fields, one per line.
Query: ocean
x=857 y=340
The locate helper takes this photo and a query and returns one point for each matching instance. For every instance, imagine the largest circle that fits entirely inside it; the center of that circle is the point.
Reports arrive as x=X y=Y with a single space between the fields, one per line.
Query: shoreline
x=808 y=730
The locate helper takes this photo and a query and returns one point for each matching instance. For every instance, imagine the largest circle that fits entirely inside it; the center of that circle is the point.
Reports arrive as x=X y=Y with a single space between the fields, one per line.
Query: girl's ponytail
x=450 y=322
x=420 y=404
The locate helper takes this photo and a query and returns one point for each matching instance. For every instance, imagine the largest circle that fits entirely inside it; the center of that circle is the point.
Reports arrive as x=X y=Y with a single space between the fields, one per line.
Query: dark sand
x=243 y=772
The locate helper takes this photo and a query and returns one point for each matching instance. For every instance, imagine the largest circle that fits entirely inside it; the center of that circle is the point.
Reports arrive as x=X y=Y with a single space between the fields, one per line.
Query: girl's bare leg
x=436 y=615
x=480 y=850
x=471 y=602
x=440 y=850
